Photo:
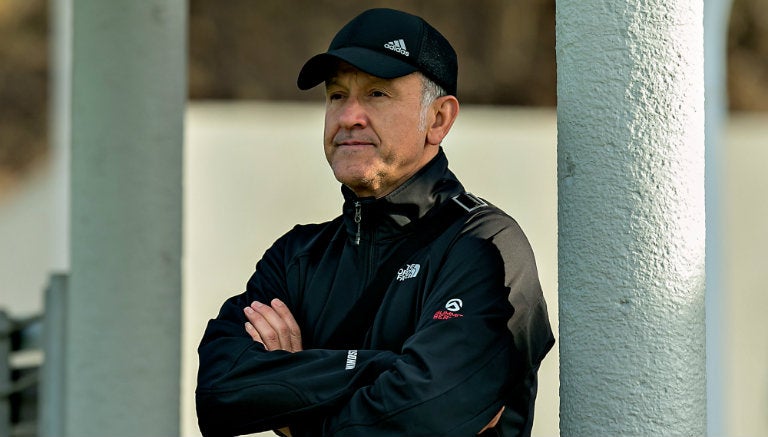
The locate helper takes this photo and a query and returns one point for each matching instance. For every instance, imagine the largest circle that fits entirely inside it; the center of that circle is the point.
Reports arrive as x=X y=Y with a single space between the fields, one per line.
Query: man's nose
x=353 y=114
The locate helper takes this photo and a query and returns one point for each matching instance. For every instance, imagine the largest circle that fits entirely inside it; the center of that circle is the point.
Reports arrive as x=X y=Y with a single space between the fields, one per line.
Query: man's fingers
x=273 y=326
x=294 y=331
x=253 y=332
x=268 y=335
x=277 y=326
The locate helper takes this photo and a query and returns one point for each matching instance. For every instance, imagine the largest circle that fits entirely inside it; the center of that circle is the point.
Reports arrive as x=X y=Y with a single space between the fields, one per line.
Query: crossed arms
x=275 y=328
x=451 y=377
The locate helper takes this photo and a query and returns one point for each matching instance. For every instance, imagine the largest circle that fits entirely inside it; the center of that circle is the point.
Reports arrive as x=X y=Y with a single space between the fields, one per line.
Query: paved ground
x=249 y=172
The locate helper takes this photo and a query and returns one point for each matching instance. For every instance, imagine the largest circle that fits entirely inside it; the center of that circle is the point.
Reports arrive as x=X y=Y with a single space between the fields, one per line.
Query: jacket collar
x=395 y=213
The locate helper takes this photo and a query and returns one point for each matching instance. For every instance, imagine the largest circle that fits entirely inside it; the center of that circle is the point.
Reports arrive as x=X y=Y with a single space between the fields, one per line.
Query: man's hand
x=493 y=421
x=273 y=326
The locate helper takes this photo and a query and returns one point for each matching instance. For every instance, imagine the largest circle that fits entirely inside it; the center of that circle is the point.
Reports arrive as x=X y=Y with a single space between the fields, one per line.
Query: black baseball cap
x=386 y=43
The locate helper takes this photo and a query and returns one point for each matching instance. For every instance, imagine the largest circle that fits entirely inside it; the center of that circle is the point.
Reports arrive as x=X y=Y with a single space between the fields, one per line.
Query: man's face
x=373 y=139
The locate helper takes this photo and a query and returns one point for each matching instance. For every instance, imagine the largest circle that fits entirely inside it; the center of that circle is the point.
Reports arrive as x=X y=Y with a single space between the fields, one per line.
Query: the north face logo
x=410 y=271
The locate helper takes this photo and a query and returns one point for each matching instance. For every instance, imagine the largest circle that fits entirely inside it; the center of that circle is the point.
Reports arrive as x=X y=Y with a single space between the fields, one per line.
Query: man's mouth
x=354 y=143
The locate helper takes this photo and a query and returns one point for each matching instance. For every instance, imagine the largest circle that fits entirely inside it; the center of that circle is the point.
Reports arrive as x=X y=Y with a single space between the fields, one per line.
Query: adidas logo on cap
x=398 y=46
x=375 y=42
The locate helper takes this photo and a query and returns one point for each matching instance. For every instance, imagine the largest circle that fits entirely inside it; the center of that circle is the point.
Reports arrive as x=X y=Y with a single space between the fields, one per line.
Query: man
x=418 y=311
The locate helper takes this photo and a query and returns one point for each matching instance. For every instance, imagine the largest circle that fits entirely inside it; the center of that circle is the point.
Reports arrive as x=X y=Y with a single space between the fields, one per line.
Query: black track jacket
x=461 y=330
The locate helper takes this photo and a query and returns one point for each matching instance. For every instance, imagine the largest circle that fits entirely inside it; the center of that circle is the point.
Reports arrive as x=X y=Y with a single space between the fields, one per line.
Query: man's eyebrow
x=371 y=80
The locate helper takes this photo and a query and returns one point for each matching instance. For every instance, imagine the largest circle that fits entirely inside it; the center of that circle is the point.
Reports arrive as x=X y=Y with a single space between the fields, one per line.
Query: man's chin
x=361 y=185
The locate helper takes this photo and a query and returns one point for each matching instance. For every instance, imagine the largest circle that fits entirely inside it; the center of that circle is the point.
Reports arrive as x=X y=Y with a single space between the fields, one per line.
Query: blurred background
x=507 y=57
x=243 y=60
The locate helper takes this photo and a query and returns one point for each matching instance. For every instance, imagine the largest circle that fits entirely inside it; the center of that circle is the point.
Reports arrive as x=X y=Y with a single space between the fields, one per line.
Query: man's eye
x=334 y=96
x=378 y=94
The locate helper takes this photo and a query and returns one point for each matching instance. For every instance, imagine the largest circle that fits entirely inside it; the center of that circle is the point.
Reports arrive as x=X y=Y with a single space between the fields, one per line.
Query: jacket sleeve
x=461 y=365
x=242 y=388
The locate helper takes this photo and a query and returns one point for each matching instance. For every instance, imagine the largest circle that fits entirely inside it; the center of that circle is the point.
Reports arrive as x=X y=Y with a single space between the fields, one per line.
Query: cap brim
x=321 y=67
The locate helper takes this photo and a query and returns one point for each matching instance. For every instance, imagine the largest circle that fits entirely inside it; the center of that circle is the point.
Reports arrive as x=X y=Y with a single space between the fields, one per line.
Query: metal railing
x=20 y=361
x=31 y=368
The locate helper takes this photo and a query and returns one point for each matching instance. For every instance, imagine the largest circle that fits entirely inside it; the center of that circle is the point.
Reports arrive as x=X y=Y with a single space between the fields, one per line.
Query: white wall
x=745 y=271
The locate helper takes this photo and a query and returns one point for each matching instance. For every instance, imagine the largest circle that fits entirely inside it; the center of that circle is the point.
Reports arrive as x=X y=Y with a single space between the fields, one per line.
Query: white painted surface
x=745 y=267
x=632 y=218
x=60 y=128
x=716 y=19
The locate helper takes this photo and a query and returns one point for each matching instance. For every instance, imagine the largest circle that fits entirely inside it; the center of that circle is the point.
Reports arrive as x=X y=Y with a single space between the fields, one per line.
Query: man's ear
x=447 y=109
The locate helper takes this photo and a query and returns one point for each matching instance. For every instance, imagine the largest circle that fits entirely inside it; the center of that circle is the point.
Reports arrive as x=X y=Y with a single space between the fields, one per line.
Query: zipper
x=358 y=219
x=369 y=258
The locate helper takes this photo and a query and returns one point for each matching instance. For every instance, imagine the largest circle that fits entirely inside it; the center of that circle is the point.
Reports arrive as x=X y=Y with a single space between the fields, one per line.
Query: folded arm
x=461 y=367
x=452 y=376
x=246 y=386
x=275 y=328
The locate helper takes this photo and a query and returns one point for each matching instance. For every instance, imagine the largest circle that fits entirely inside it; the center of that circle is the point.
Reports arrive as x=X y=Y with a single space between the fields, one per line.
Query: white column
x=60 y=19
x=631 y=217
x=124 y=293
x=716 y=15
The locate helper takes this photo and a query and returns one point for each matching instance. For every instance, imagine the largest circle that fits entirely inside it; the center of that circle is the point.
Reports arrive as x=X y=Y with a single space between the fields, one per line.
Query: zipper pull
x=358 y=218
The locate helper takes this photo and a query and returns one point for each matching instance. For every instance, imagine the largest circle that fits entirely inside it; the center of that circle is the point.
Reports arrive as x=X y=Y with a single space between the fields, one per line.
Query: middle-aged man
x=418 y=311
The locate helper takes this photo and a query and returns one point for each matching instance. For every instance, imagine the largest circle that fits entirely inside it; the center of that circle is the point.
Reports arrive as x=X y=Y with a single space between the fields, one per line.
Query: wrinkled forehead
x=343 y=72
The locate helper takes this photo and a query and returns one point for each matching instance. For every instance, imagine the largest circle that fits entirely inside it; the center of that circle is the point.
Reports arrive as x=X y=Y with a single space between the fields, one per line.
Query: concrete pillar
x=631 y=217
x=124 y=293
x=52 y=377
x=50 y=417
x=60 y=104
x=716 y=17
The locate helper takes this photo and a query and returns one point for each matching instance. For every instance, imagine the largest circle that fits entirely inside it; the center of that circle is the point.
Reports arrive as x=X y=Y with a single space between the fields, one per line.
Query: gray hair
x=430 y=91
